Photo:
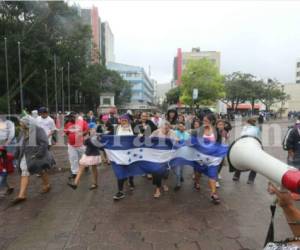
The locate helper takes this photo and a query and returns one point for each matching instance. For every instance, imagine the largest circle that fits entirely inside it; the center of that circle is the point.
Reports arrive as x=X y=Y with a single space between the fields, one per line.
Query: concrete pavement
x=83 y=219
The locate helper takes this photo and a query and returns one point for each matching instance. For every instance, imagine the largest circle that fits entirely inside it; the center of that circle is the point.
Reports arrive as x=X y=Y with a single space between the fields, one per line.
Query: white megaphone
x=246 y=153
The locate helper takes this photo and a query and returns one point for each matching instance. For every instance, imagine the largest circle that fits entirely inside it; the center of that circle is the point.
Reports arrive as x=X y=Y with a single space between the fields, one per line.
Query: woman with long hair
x=32 y=156
x=210 y=134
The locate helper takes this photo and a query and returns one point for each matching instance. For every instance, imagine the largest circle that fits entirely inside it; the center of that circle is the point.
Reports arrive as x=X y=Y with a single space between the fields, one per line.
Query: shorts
x=24 y=168
x=90 y=160
x=211 y=172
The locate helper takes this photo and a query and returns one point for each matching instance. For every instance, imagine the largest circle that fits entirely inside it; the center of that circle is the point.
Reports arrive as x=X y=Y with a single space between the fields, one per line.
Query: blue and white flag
x=134 y=155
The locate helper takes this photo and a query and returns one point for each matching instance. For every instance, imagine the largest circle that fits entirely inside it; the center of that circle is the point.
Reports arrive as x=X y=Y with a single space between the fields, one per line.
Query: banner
x=134 y=155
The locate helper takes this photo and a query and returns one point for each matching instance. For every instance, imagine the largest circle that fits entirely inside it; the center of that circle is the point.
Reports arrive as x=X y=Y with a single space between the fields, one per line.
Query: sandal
x=9 y=191
x=17 y=200
x=94 y=186
x=157 y=195
x=215 y=199
x=73 y=186
x=46 y=189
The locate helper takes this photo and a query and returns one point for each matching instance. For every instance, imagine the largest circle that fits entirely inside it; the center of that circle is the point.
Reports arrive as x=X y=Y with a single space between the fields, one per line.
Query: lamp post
x=46 y=88
x=55 y=85
x=62 y=91
x=7 y=80
x=282 y=101
x=69 y=95
x=20 y=77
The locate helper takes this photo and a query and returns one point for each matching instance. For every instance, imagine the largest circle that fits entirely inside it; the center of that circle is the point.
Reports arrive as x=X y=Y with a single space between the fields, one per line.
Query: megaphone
x=246 y=153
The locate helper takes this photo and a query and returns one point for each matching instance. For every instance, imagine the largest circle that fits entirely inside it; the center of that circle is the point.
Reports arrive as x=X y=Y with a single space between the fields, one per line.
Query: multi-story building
x=298 y=71
x=162 y=89
x=107 y=37
x=142 y=86
x=182 y=59
x=91 y=17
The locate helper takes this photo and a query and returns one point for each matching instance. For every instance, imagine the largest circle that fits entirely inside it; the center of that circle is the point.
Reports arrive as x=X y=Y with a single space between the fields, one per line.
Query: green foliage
x=45 y=29
x=173 y=95
x=241 y=87
x=202 y=75
x=272 y=92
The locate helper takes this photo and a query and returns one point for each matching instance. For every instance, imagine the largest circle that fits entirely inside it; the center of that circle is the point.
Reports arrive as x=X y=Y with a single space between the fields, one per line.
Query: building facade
x=182 y=59
x=141 y=85
x=298 y=71
x=107 y=43
x=162 y=90
x=91 y=17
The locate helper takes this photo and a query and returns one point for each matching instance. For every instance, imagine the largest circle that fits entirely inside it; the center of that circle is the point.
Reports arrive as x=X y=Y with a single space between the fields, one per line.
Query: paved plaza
x=187 y=220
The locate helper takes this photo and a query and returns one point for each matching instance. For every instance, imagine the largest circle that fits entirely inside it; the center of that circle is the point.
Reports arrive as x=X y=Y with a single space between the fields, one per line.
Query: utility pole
x=7 y=79
x=20 y=77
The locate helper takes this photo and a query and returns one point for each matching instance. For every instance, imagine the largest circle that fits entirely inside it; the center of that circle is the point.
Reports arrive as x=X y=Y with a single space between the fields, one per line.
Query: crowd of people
x=30 y=138
x=82 y=134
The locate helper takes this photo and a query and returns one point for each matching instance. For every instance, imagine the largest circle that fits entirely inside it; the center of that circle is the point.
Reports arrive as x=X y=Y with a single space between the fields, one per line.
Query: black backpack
x=286 y=136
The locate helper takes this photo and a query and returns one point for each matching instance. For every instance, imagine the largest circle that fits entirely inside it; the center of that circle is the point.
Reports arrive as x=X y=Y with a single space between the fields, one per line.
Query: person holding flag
x=124 y=128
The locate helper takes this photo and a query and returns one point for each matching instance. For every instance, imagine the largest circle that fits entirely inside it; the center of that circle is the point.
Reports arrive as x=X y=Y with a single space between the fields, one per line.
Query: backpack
x=6 y=162
x=286 y=136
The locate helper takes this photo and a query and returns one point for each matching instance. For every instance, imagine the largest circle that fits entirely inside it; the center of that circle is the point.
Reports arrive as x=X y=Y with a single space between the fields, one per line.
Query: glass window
x=106 y=101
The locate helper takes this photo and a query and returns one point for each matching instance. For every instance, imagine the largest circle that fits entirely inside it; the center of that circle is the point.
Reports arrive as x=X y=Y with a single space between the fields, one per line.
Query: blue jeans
x=3 y=180
x=178 y=170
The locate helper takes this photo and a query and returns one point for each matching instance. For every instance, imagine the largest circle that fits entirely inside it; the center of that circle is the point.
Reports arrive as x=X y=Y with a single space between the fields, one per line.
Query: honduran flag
x=135 y=155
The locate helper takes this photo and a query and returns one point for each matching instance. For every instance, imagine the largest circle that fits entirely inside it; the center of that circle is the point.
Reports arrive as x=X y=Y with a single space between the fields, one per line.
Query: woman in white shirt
x=124 y=128
x=250 y=129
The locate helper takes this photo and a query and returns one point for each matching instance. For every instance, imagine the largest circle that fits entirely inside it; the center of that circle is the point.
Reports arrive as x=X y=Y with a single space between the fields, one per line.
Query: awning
x=245 y=106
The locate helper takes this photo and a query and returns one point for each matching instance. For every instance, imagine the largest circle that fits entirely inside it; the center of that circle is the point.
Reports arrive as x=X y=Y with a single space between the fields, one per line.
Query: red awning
x=245 y=106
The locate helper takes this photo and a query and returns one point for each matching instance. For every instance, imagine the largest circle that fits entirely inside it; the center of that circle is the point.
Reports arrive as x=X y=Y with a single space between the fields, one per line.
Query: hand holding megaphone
x=246 y=153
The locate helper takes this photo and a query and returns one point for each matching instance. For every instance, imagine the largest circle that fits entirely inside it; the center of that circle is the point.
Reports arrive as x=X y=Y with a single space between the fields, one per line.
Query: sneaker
x=197 y=186
x=177 y=188
x=149 y=176
x=72 y=176
x=131 y=187
x=9 y=191
x=71 y=185
x=215 y=199
x=235 y=178
x=218 y=184
x=119 y=196
x=165 y=188
x=220 y=177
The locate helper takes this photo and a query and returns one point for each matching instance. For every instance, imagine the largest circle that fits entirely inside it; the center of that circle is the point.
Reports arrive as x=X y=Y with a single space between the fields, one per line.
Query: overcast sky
x=258 y=37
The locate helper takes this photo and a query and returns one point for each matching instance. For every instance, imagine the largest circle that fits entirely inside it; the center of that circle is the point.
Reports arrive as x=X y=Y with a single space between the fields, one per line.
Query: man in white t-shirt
x=47 y=123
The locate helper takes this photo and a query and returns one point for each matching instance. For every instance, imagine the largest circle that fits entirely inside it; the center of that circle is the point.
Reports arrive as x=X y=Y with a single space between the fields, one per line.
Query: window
x=298 y=81
x=298 y=73
x=106 y=101
x=298 y=64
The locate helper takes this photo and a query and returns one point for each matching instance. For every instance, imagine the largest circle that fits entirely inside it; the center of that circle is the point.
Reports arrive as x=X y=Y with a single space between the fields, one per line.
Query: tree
x=202 y=75
x=97 y=78
x=241 y=87
x=173 y=95
x=272 y=93
x=45 y=29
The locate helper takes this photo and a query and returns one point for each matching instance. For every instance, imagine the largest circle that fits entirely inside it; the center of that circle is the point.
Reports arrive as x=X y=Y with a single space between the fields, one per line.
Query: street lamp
x=55 y=85
x=20 y=77
x=62 y=90
x=69 y=96
x=46 y=88
x=7 y=80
